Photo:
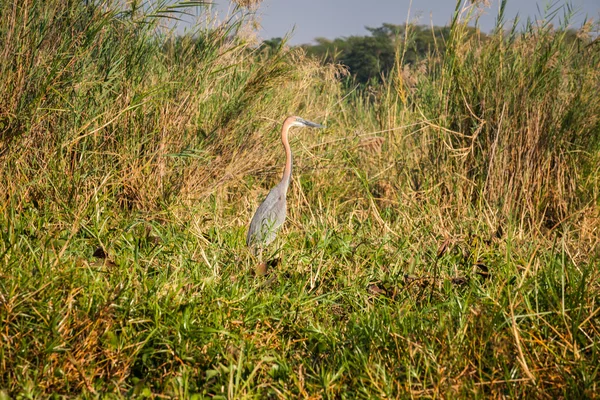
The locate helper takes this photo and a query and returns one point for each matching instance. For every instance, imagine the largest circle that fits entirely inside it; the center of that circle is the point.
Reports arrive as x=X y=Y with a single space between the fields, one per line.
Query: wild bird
x=270 y=215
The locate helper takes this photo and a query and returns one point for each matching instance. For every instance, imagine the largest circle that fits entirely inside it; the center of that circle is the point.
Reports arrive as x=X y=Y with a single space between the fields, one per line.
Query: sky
x=306 y=20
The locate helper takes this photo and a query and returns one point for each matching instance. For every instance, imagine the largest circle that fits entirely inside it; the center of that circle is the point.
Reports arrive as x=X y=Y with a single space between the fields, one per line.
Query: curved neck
x=287 y=172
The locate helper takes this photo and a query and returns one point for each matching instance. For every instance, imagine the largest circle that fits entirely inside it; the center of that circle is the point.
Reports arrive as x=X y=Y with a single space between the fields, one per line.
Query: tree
x=368 y=57
x=371 y=57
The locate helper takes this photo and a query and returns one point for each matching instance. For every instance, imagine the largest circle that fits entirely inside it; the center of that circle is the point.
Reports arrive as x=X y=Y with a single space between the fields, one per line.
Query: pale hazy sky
x=335 y=18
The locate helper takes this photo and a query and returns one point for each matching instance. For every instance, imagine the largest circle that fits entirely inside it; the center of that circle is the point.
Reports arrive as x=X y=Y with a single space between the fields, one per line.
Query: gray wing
x=268 y=218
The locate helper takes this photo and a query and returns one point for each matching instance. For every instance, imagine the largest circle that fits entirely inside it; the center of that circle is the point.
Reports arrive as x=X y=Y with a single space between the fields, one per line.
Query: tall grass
x=506 y=122
x=442 y=235
x=521 y=119
x=111 y=105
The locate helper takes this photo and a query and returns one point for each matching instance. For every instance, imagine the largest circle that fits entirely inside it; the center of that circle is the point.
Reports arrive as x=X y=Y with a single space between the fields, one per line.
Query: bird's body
x=268 y=218
x=270 y=215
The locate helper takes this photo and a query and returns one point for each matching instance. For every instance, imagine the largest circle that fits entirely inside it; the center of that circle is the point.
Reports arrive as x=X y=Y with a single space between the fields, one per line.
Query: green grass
x=409 y=266
x=177 y=310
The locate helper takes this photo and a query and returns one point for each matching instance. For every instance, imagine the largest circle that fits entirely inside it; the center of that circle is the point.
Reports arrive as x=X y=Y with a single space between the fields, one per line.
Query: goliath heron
x=271 y=213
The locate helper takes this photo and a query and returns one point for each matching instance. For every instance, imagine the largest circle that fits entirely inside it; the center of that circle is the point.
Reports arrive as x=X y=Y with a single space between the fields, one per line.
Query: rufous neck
x=287 y=172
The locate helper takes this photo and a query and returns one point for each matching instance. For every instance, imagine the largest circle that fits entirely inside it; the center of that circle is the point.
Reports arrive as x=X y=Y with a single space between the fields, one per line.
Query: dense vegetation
x=372 y=57
x=442 y=237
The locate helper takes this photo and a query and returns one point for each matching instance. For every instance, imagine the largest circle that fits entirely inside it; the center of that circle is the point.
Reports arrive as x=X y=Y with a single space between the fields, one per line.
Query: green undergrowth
x=346 y=313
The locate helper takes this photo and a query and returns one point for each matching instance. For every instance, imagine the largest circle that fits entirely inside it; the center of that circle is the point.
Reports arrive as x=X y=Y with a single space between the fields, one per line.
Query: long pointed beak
x=309 y=123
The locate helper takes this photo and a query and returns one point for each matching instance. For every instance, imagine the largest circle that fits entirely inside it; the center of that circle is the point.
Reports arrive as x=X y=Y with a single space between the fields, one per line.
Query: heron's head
x=297 y=121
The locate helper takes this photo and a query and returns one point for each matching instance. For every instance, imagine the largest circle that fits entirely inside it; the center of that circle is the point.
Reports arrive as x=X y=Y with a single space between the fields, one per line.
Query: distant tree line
x=370 y=57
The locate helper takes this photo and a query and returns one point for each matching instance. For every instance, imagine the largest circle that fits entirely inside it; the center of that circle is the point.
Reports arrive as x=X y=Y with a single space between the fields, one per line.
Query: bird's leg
x=276 y=257
x=261 y=267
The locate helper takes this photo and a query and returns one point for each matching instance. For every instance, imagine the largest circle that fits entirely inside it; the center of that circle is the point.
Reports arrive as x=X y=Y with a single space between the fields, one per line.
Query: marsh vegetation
x=443 y=232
